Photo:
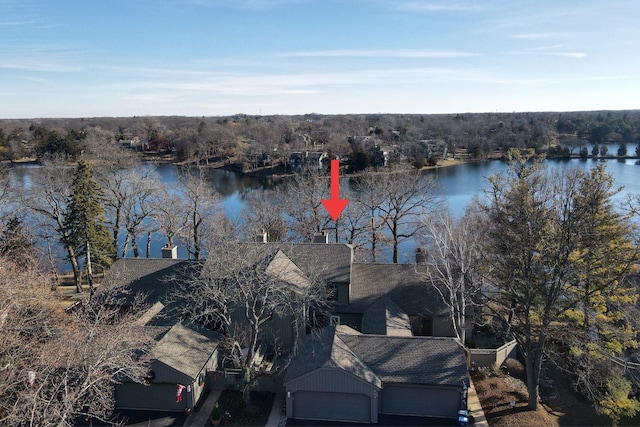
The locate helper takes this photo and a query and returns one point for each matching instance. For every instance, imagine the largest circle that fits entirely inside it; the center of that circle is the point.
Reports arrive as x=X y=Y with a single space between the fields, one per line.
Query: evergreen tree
x=559 y=256
x=603 y=256
x=584 y=152
x=622 y=150
x=85 y=222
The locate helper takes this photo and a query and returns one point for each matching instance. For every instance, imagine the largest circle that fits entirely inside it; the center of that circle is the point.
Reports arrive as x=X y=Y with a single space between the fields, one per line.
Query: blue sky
x=221 y=57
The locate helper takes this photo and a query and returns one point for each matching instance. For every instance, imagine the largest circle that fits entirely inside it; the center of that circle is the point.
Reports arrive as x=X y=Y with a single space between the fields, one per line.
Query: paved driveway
x=383 y=420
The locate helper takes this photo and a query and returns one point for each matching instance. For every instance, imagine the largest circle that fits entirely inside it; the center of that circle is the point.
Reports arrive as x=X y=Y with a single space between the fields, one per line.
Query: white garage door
x=331 y=406
x=420 y=401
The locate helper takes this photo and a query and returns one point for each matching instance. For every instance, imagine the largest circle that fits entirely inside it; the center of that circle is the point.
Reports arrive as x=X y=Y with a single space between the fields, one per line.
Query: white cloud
x=577 y=55
x=399 y=53
x=554 y=50
x=533 y=36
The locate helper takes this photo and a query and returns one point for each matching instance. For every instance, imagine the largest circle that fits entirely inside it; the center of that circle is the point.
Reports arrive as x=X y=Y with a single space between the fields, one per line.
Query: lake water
x=459 y=184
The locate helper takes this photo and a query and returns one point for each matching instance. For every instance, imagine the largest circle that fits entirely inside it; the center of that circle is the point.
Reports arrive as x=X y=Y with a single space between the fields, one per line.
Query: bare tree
x=202 y=202
x=404 y=197
x=264 y=211
x=303 y=203
x=138 y=208
x=451 y=253
x=369 y=198
x=170 y=213
x=245 y=292
x=43 y=379
x=47 y=201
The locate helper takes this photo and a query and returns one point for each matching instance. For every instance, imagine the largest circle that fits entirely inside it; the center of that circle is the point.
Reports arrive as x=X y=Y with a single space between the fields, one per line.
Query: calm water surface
x=459 y=185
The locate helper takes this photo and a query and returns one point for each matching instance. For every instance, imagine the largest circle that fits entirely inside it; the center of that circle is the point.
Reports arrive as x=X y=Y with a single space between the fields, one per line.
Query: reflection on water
x=459 y=184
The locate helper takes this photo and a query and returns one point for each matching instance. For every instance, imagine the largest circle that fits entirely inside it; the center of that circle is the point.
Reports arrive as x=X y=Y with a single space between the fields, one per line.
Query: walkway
x=475 y=409
x=199 y=418
x=276 y=418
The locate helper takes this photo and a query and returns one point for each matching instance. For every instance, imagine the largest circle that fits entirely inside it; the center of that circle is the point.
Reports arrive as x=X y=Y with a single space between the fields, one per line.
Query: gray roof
x=390 y=359
x=154 y=278
x=411 y=360
x=331 y=261
x=185 y=348
x=384 y=317
x=326 y=349
x=399 y=282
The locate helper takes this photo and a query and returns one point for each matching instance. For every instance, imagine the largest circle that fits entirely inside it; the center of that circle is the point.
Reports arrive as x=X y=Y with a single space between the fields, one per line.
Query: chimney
x=261 y=236
x=421 y=256
x=321 y=237
x=170 y=252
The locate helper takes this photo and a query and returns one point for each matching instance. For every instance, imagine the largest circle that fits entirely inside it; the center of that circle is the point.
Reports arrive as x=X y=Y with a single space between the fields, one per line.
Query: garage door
x=420 y=401
x=331 y=406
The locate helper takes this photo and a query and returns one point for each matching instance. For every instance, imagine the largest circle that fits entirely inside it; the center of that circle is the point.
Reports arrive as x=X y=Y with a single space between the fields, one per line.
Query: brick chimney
x=170 y=252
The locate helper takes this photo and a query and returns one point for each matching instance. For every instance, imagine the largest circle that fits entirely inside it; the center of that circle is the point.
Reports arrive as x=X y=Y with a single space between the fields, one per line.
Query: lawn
x=254 y=414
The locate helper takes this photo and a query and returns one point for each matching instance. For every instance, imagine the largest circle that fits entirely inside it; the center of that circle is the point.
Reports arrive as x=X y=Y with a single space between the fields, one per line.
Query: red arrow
x=335 y=205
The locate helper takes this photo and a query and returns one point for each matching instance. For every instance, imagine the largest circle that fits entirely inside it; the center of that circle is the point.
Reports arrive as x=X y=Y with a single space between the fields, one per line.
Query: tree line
x=252 y=142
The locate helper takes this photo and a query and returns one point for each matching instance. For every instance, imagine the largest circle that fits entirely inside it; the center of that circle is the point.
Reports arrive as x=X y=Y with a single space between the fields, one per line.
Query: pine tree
x=603 y=256
x=560 y=257
x=85 y=221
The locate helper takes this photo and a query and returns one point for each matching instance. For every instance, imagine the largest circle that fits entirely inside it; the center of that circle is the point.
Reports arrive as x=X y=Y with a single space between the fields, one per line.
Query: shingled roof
x=411 y=360
x=390 y=359
x=186 y=348
x=399 y=282
x=326 y=349
x=154 y=278
x=331 y=261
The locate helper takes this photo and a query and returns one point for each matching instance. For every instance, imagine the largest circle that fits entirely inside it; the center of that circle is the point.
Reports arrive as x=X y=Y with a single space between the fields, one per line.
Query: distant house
x=310 y=159
x=434 y=147
x=340 y=374
x=180 y=361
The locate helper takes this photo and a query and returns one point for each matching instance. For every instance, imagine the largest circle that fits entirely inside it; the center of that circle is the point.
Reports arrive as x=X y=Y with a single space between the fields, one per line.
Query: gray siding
x=157 y=397
x=161 y=393
x=343 y=293
x=331 y=379
x=166 y=374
